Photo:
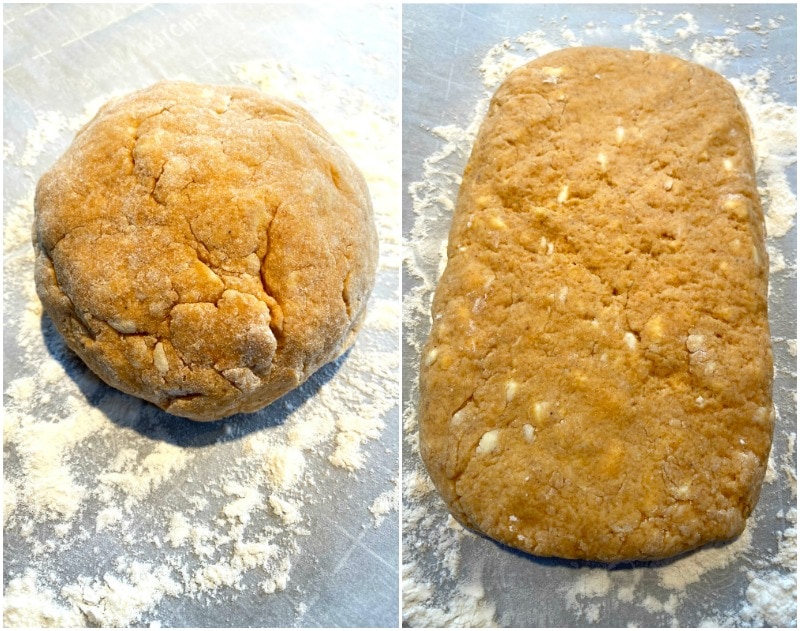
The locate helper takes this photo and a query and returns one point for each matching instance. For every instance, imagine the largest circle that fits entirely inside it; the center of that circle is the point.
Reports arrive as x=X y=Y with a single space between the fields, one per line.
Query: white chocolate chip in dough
x=489 y=442
x=695 y=342
x=736 y=204
x=497 y=223
x=484 y=201
x=160 y=359
x=563 y=194
x=123 y=326
x=431 y=356
x=682 y=492
x=458 y=418
x=630 y=340
x=553 y=74
x=511 y=390
x=528 y=432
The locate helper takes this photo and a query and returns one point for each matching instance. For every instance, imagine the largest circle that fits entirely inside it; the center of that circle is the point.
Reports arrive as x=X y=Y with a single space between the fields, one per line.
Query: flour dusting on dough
x=432 y=588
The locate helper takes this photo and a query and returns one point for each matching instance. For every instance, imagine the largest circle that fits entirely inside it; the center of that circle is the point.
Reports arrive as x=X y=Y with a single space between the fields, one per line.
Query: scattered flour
x=436 y=573
x=385 y=503
x=594 y=583
x=288 y=512
x=466 y=608
x=116 y=602
x=715 y=53
x=27 y=604
x=772 y=600
x=50 y=127
x=48 y=486
x=678 y=576
x=691 y=27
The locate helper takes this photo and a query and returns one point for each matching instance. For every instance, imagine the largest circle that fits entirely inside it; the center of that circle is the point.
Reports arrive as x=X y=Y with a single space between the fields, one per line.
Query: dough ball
x=204 y=248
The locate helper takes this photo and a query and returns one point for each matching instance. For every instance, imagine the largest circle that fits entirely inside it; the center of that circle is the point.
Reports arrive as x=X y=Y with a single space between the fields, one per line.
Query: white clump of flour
x=186 y=522
x=436 y=572
x=386 y=503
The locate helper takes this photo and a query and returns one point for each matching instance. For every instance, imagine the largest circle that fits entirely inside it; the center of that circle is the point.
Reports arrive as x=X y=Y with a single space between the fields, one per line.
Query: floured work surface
x=597 y=383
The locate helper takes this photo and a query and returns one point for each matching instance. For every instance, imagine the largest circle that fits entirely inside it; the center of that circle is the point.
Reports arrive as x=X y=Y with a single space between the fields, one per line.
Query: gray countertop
x=454 y=577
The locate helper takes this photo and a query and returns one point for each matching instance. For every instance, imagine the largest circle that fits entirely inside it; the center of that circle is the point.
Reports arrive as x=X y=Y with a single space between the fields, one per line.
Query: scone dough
x=204 y=248
x=597 y=382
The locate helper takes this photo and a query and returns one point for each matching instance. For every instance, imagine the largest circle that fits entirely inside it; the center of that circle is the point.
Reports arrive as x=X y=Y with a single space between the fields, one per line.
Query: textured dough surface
x=205 y=248
x=597 y=381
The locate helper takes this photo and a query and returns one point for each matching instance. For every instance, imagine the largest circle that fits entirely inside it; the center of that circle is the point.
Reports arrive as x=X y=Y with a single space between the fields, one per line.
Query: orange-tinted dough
x=205 y=248
x=597 y=382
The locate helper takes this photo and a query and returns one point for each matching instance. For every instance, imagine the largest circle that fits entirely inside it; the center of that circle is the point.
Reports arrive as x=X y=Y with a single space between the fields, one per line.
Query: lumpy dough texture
x=205 y=248
x=597 y=381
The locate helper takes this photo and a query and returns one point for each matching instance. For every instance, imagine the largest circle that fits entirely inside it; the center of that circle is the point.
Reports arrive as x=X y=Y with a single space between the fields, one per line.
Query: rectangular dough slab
x=597 y=382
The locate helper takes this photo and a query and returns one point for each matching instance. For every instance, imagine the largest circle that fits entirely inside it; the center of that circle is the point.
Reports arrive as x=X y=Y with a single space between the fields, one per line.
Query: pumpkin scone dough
x=204 y=248
x=597 y=381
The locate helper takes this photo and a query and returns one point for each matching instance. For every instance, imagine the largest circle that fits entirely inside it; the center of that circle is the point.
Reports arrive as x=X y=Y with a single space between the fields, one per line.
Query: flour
x=678 y=576
x=771 y=600
x=354 y=430
x=288 y=512
x=384 y=316
x=691 y=28
x=27 y=604
x=284 y=465
x=593 y=584
x=17 y=225
x=384 y=504
x=114 y=601
x=760 y=565
x=715 y=53
x=467 y=607
x=49 y=486
x=194 y=512
x=108 y=517
x=132 y=481
x=49 y=128
x=179 y=530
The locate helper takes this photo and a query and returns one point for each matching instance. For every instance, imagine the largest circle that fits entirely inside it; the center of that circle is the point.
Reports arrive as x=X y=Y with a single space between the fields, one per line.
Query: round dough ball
x=204 y=248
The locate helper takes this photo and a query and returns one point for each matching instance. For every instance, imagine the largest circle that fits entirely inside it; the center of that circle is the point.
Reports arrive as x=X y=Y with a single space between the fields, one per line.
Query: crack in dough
x=599 y=361
x=205 y=248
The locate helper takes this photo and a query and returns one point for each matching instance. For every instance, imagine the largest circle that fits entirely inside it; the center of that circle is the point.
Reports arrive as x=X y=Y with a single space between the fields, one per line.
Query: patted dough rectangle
x=597 y=382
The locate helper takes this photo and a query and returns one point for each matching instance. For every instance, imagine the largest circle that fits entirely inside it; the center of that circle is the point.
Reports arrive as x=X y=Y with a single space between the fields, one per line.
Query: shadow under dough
x=147 y=419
